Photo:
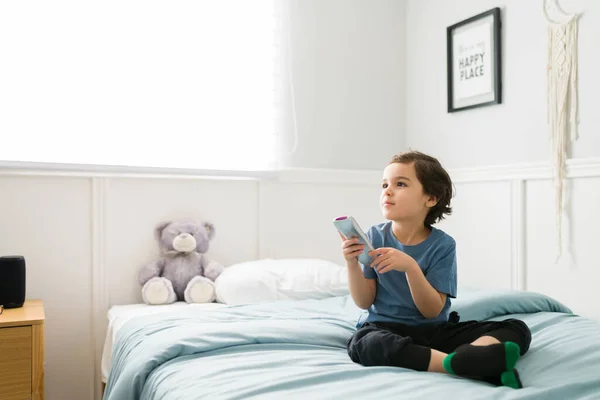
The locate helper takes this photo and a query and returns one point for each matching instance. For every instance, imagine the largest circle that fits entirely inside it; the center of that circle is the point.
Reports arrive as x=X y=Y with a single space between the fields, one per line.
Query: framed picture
x=474 y=62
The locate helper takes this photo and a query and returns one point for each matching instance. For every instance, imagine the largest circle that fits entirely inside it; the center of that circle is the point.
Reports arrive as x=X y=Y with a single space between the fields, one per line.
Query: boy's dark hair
x=435 y=180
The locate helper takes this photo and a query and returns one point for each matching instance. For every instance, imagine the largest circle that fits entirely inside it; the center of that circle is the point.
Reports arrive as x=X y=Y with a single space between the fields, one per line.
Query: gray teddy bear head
x=184 y=236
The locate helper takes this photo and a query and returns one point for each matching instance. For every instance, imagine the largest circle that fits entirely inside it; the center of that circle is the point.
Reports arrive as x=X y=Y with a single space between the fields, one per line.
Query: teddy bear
x=183 y=272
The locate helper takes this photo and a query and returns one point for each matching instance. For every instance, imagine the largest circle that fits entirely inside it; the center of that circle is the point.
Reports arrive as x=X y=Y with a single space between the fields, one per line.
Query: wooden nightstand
x=22 y=352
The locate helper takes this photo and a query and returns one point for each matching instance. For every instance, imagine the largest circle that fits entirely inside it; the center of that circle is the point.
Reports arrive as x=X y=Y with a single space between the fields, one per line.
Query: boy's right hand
x=351 y=248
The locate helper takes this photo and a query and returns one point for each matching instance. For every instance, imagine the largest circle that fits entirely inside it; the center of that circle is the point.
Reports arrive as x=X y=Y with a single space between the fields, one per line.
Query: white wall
x=505 y=215
x=515 y=131
x=349 y=80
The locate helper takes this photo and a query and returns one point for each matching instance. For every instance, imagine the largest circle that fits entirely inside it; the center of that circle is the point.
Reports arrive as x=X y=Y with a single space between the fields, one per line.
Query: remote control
x=349 y=228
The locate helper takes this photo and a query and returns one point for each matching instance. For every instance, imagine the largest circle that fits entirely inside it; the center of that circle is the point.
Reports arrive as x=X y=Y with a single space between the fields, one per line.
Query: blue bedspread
x=297 y=349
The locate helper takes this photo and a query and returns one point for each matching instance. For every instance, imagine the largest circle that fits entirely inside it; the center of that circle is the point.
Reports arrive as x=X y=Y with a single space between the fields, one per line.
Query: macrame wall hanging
x=561 y=96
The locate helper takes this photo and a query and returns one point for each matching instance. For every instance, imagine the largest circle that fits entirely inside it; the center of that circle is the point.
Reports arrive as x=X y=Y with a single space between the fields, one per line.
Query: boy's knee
x=360 y=345
x=370 y=346
x=521 y=332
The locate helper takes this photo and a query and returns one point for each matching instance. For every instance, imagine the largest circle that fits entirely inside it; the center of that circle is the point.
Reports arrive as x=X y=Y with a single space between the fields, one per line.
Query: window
x=185 y=84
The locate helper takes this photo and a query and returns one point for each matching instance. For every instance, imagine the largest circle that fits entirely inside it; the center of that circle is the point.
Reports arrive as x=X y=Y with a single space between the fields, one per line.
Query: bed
x=119 y=315
x=296 y=348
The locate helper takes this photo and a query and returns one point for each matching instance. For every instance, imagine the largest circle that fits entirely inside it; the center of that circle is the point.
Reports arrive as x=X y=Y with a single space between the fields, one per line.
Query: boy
x=408 y=286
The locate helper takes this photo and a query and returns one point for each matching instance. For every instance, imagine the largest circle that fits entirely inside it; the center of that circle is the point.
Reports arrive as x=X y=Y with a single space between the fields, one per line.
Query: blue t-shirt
x=436 y=256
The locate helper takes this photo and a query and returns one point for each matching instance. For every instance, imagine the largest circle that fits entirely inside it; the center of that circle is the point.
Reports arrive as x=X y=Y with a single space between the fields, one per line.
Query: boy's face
x=402 y=196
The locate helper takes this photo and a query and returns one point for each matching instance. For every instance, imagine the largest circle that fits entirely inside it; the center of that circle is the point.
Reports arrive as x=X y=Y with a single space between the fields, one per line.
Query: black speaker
x=12 y=281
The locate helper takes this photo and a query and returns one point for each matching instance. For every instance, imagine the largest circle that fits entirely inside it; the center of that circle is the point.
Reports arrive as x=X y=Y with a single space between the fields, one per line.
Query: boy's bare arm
x=362 y=289
x=428 y=300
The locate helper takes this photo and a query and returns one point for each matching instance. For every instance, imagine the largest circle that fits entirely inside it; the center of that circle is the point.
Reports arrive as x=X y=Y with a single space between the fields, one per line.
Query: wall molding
x=576 y=168
x=100 y=290
x=26 y=168
x=517 y=234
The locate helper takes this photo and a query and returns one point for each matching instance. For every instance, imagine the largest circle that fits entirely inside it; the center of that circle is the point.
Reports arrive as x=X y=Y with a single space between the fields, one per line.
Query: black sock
x=483 y=361
x=507 y=378
x=494 y=380
x=511 y=379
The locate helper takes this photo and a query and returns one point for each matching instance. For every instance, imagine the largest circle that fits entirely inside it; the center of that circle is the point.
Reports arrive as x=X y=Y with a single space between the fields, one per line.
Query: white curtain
x=184 y=84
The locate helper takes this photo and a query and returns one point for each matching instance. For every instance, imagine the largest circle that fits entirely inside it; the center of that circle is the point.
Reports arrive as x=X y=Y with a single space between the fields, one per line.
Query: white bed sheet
x=119 y=315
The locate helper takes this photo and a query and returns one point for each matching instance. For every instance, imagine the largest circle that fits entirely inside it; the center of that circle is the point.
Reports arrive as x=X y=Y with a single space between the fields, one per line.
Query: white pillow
x=285 y=279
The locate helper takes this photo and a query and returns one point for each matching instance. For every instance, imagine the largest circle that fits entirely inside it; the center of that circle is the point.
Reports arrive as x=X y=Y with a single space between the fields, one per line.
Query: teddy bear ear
x=159 y=228
x=210 y=228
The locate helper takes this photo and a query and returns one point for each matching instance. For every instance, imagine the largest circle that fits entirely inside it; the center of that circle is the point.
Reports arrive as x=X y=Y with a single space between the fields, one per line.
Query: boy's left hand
x=388 y=258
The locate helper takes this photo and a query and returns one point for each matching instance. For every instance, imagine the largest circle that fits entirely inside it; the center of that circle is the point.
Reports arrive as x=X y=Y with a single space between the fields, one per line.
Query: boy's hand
x=351 y=249
x=388 y=258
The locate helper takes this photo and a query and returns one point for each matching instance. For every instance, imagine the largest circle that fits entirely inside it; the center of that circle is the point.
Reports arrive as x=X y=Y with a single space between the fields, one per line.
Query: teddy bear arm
x=212 y=269
x=151 y=270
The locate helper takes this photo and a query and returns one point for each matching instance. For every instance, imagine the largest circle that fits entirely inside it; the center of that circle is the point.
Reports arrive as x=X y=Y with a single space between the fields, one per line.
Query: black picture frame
x=474 y=61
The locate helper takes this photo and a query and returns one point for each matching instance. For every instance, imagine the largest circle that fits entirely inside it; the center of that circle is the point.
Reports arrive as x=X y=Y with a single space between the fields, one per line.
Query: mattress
x=121 y=314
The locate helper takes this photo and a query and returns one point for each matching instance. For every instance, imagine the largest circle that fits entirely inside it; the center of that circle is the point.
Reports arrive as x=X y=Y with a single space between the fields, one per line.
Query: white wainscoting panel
x=47 y=220
x=135 y=206
x=481 y=225
x=574 y=278
x=296 y=219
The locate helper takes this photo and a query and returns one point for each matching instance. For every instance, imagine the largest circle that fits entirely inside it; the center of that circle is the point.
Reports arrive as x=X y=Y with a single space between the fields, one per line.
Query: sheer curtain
x=184 y=84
